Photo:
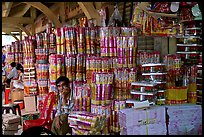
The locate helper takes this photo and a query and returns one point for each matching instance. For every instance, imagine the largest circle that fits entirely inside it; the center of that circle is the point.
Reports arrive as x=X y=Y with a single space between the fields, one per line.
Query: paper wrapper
x=142 y=122
x=184 y=119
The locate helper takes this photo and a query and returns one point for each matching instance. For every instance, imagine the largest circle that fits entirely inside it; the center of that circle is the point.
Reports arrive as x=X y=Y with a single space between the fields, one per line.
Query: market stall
x=124 y=78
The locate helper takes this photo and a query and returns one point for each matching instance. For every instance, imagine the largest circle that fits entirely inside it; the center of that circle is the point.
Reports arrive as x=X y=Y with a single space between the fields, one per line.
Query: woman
x=13 y=74
x=60 y=124
x=18 y=83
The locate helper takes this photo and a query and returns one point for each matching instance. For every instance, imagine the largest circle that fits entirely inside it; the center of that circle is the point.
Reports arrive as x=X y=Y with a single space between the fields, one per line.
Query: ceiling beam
x=17 y=20
x=75 y=12
x=9 y=33
x=89 y=11
x=8 y=6
x=19 y=12
x=10 y=29
x=46 y=11
x=16 y=25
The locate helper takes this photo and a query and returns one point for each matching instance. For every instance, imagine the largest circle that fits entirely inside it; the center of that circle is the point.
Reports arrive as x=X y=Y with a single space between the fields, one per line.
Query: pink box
x=184 y=119
x=143 y=122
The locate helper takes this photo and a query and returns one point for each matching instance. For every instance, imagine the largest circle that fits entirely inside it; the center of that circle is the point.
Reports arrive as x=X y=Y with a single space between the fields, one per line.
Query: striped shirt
x=65 y=109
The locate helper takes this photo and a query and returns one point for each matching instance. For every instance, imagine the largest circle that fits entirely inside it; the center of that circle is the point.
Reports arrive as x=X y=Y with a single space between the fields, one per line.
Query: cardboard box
x=184 y=119
x=151 y=121
x=30 y=104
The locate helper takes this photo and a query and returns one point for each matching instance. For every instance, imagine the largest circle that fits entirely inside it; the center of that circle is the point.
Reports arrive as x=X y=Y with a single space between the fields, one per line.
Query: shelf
x=161 y=91
x=196 y=28
x=200 y=66
x=152 y=65
x=162 y=99
x=186 y=52
x=147 y=74
x=189 y=45
x=188 y=37
x=144 y=84
x=142 y=93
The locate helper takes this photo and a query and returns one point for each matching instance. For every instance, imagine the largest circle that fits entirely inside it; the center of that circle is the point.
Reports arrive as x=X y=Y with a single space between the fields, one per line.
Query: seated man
x=60 y=124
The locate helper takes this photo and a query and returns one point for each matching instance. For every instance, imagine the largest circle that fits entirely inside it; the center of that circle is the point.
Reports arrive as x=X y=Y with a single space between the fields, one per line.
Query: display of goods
x=126 y=51
x=156 y=77
x=9 y=57
x=70 y=65
x=184 y=119
x=104 y=111
x=42 y=71
x=176 y=95
x=42 y=86
x=143 y=121
x=90 y=38
x=192 y=93
x=29 y=73
x=82 y=98
x=153 y=68
x=57 y=67
x=58 y=40
x=116 y=106
x=102 y=77
x=123 y=79
x=77 y=131
x=101 y=94
x=41 y=55
x=148 y=57
x=39 y=39
x=108 y=40
x=71 y=43
x=30 y=87
x=172 y=61
x=86 y=121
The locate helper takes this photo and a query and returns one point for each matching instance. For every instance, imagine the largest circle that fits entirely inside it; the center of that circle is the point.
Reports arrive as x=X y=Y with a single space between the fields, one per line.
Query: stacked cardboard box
x=184 y=119
x=143 y=121
x=10 y=124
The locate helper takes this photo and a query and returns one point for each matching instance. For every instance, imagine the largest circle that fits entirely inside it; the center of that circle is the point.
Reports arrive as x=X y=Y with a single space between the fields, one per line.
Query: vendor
x=13 y=74
x=60 y=124
x=18 y=83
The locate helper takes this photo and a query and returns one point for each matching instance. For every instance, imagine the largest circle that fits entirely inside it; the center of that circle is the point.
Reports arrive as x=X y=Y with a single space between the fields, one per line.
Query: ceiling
x=18 y=13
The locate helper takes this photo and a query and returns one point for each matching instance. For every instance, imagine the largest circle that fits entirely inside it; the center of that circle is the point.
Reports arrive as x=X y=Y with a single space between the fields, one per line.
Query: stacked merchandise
x=15 y=52
x=102 y=90
x=18 y=52
x=189 y=46
x=177 y=79
x=10 y=53
x=199 y=82
x=150 y=121
x=123 y=79
x=184 y=119
x=155 y=72
x=116 y=106
x=10 y=124
x=86 y=123
x=30 y=84
x=152 y=84
x=98 y=64
x=82 y=98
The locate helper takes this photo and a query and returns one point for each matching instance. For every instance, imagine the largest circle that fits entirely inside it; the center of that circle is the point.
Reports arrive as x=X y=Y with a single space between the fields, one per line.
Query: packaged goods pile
x=184 y=119
x=10 y=124
x=86 y=123
x=143 y=122
x=172 y=120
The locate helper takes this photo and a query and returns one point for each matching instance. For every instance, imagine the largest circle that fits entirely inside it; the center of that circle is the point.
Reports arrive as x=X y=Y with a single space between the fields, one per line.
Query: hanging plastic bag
x=102 y=14
x=115 y=19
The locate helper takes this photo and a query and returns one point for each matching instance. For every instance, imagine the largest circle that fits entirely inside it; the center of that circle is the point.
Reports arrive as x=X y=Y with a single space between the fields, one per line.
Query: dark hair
x=19 y=67
x=13 y=64
x=62 y=78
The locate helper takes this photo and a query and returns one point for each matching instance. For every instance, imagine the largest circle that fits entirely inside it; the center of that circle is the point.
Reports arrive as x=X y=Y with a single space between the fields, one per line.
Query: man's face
x=62 y=86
